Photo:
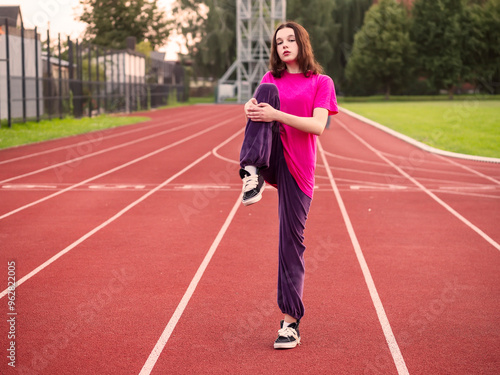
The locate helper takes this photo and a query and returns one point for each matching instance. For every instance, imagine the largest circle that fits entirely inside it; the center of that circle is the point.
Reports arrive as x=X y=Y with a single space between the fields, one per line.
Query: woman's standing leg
x=293 y=209
x=263 y=149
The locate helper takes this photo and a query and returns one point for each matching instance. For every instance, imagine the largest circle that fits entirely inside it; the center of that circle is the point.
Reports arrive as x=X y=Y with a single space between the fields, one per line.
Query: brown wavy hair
x=305 y=58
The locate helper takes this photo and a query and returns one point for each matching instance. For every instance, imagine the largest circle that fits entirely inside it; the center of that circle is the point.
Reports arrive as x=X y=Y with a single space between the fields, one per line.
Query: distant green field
x=467 y=126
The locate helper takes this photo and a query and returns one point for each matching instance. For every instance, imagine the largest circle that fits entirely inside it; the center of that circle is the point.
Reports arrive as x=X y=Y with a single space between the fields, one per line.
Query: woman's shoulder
x=268 y=77
x=324 y=80
x=324 y=77
x=318 y=77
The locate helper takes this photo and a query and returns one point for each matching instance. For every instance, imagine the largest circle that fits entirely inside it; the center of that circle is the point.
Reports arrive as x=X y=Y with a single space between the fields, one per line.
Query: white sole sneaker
x=254 y=199
x=288 y=337
x=287 y=345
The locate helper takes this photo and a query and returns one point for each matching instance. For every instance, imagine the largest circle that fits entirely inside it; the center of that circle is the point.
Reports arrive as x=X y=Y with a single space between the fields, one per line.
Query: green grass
x=30 y=132
x=415 y=98
x=468 y=126
x=190 y=101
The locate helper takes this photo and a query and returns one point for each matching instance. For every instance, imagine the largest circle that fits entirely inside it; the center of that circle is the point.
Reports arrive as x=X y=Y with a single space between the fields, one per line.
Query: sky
x=61 y=16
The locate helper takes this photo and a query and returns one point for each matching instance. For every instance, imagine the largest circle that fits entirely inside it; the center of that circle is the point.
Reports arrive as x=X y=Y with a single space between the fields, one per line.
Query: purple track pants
x=262 y=148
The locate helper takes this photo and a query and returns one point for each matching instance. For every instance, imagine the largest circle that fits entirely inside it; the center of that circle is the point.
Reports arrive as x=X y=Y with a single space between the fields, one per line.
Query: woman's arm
x=266 y=113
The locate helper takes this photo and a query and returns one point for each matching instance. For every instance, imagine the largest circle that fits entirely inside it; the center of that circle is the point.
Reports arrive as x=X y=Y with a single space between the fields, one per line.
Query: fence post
x=105 y=81
x=49 y=77
x=37 y=77
x=70 y=76
x=113 y=101
x=118 y=82
x=137 y=99
x=78 y=82
x=126 y=85
x=98 y=83
x=90 y=78
x=7 y=58
x=23 y=73
x=60 y=75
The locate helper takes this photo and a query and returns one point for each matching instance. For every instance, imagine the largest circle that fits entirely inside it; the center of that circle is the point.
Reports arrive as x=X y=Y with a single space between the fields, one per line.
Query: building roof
x=160 y=56
x=13 y=15
x=54 y=60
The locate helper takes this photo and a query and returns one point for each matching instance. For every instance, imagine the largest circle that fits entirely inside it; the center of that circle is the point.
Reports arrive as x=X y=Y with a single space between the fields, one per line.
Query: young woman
x=288 y=111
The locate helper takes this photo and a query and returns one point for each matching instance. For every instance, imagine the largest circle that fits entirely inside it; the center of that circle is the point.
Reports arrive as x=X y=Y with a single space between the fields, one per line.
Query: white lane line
x=379 y=308
x=103 y=225
x=28 y=186
x=424 y=189
x=418 y=144
x=436 y=181
x=470 y=170
x=216 y=149
x=117 y=187
x=162 y=341
x=201 y=187
x=121 y=145
x=372 y=187
x=416 y=167
x=117 y=168
x=356 y=160
x=97 y=136
x=465 y=194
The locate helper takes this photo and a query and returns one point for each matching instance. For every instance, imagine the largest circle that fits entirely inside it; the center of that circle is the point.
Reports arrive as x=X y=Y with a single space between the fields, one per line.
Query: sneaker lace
x=250 y=182
x=288 y=332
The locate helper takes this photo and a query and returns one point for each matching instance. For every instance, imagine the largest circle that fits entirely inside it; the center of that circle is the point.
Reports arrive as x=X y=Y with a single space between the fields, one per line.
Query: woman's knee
x=267 y=92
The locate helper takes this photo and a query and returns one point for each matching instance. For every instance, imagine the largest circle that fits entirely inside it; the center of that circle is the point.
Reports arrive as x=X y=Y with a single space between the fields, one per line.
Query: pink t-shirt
x=299 y=96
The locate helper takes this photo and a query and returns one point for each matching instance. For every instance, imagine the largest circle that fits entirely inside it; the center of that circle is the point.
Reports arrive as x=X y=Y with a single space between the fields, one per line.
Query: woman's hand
x=262 y=112
x=251 y=103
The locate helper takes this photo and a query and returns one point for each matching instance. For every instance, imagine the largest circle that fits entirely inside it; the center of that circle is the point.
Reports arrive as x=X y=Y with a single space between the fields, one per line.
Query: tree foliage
x=454 y=41
x=382 y=52
x=347 y=19
x=481 y=46
x=110 y=22
x=209 y=27
x=438 y=36
x=319 y=25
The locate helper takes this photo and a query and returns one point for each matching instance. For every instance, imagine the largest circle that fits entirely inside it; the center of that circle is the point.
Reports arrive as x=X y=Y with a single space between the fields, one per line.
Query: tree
x=331 y=25
x=209 y=27
x=382 y=55
x=348 y=16
x=110 y=22
x=481 y=47
x=319 y=24
x=491 y=66
x=438 y=36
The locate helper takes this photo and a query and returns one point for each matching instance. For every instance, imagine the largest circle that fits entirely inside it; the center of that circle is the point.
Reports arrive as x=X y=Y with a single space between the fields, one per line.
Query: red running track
x=133 y=255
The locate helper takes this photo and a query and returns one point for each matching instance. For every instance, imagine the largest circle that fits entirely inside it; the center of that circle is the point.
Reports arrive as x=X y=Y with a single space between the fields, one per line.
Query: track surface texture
x=133 y=255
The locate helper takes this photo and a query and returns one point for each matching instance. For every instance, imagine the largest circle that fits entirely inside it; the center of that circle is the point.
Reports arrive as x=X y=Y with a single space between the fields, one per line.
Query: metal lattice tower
x=255 y=24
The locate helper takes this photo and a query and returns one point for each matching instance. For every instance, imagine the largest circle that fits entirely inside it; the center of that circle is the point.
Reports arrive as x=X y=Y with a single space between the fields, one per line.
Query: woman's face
x=286 y=45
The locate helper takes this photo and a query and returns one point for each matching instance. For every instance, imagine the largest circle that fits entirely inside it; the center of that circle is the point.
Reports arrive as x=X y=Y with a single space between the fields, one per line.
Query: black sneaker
x=288 y=337
x=253 y=185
